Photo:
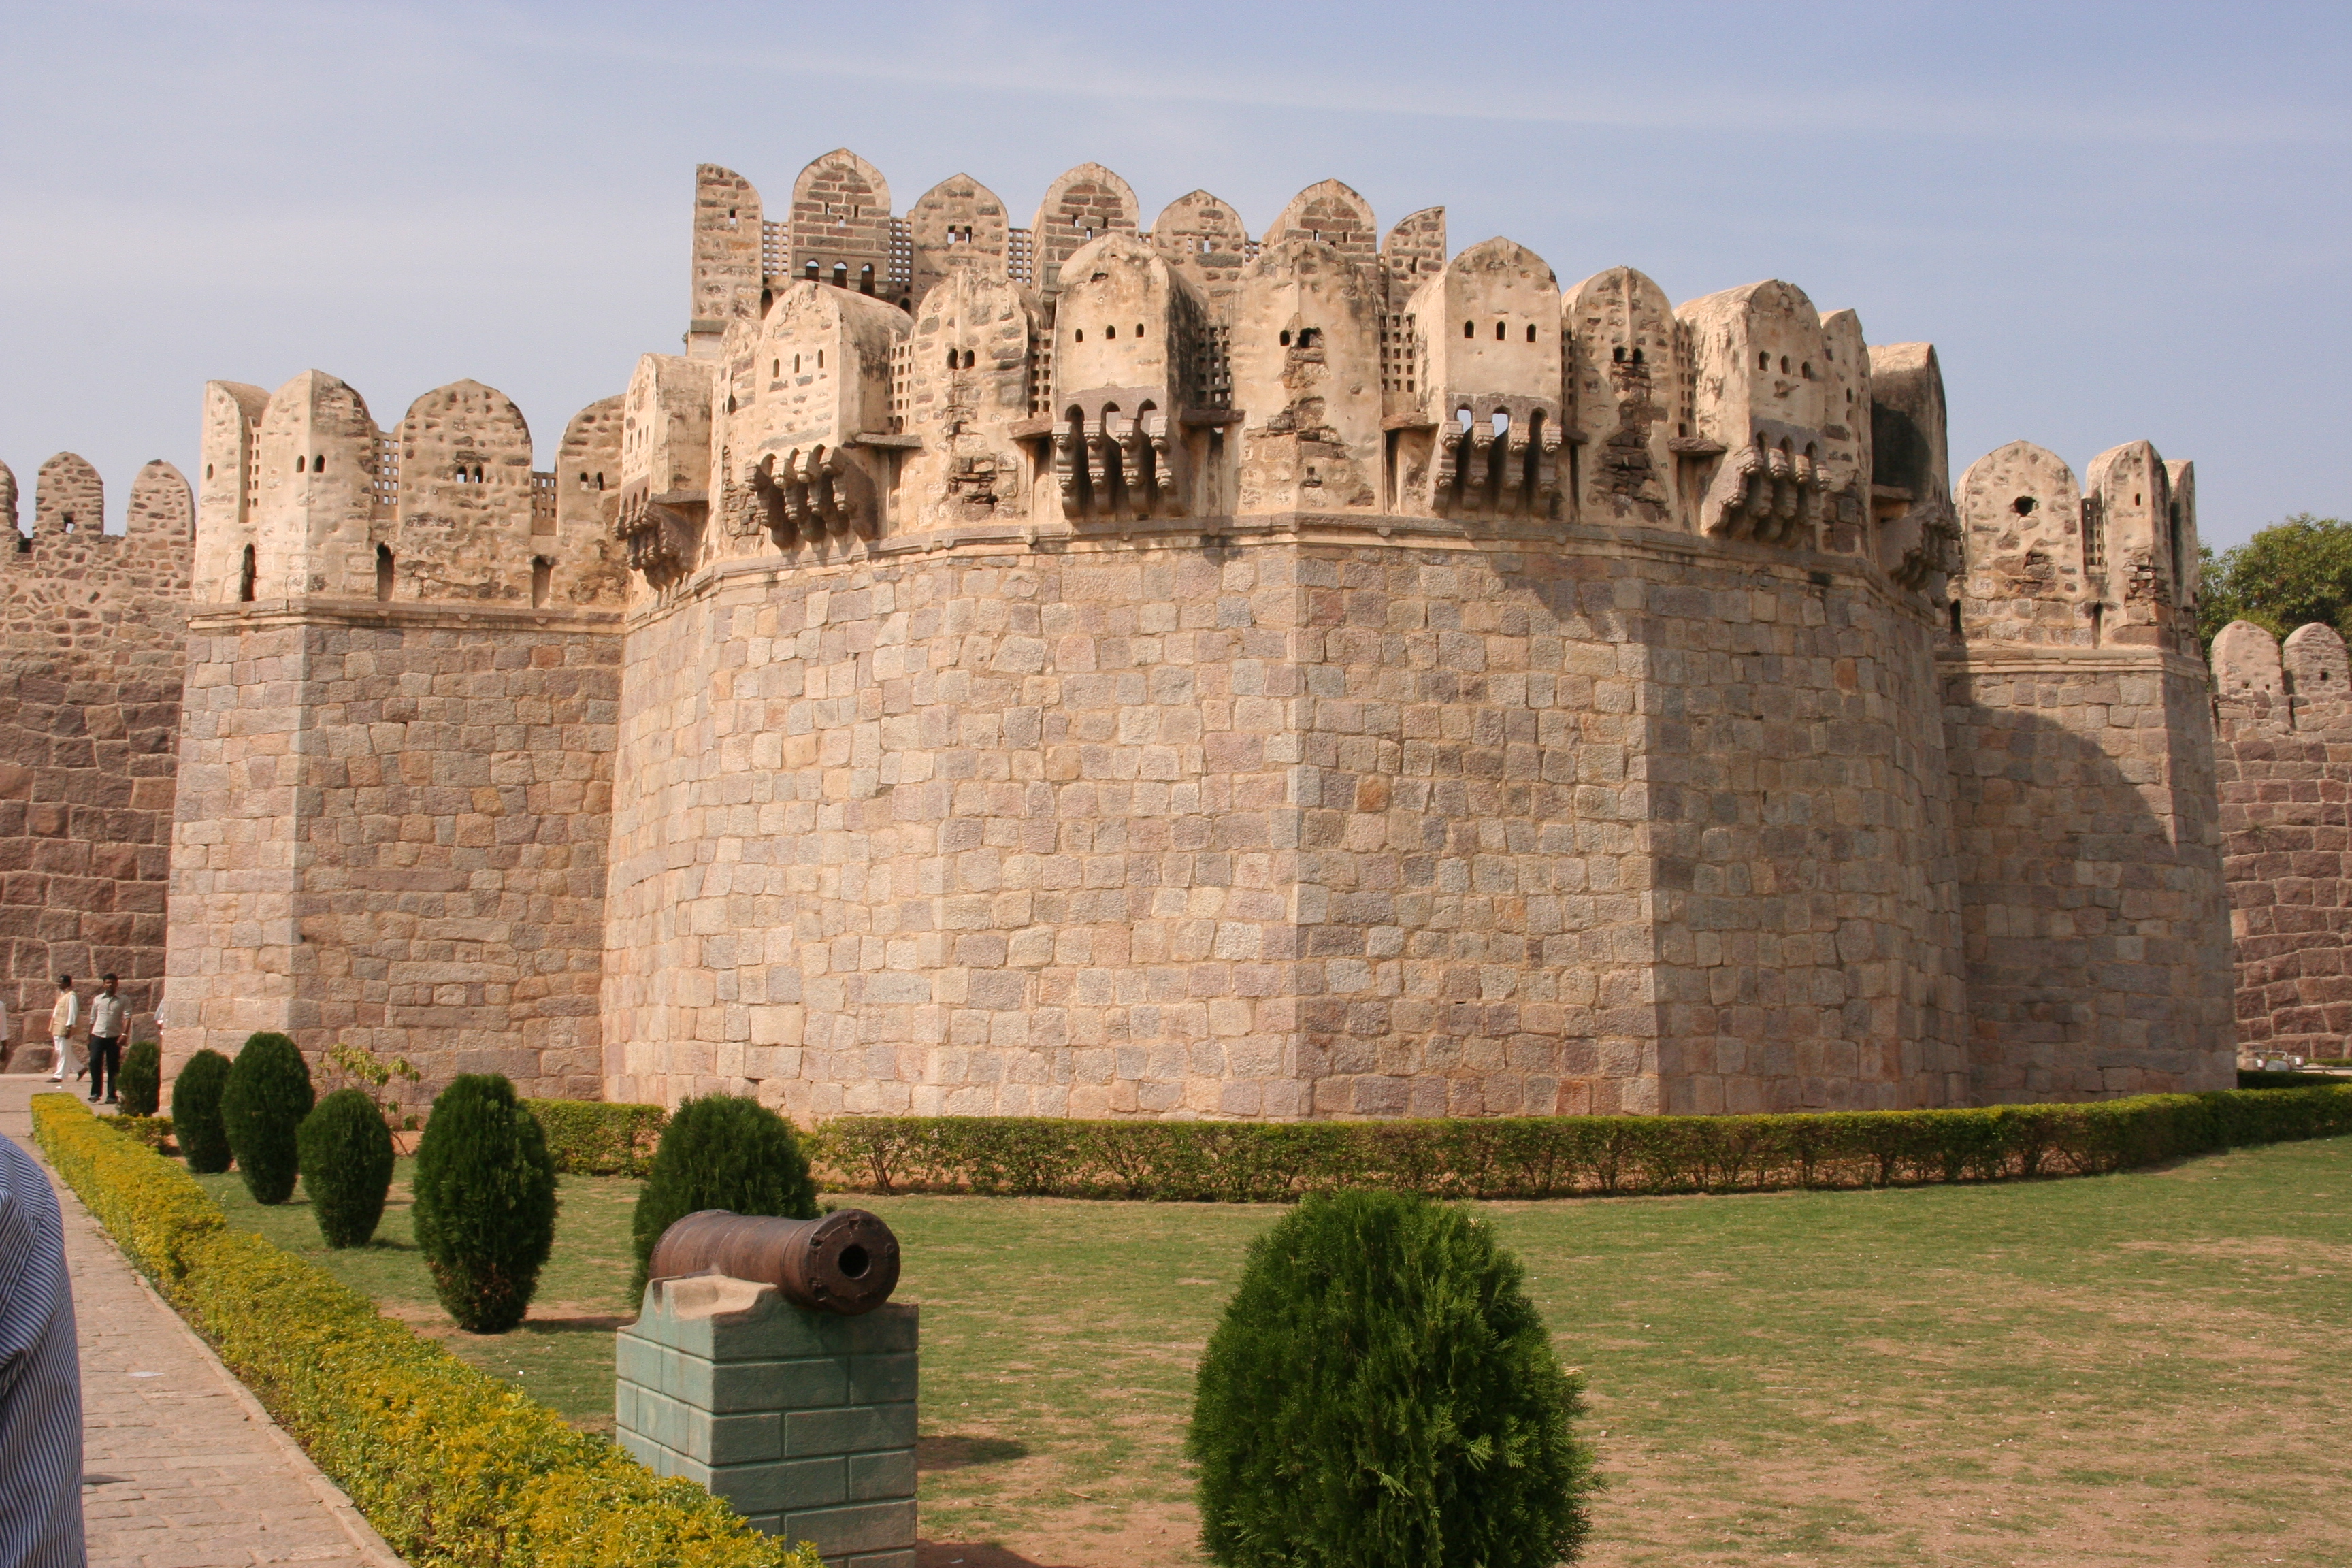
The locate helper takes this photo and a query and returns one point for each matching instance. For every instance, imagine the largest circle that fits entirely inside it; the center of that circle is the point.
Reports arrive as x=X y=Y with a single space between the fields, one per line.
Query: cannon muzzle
x=845 y=1262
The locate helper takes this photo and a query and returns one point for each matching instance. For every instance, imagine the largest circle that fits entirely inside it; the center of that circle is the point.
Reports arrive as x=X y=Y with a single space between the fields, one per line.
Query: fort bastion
x=1093 y=670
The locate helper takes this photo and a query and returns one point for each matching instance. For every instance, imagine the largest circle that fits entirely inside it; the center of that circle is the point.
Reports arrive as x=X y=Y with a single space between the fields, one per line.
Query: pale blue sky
x=2114 y=221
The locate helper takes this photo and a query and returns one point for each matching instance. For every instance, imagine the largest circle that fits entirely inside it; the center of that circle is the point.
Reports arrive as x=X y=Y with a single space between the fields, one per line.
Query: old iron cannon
x=845 y=1262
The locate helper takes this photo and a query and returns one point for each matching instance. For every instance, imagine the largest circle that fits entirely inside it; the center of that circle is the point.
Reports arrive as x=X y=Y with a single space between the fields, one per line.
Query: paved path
x=181 y=1468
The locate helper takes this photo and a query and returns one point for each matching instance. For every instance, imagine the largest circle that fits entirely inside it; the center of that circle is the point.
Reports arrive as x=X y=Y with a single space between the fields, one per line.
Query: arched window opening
x=1531 y=331
x=820 y=359
x=1618 y=354
x=1784 y=365
x=1469 y=329
x=1284 y=336
x=1138 y=328
x=797 y=364
x=1310 y=336
x=1763 y=362
x=1463 y=415
x=599 y=482
x=809 y=271
x=866 y=278
x=542 y=579
x=384 y=571
x=775 y=368
x=1498 y=331
x=967 y=359
x=208 y=470
x=1806 y=370
x=951 y=359
x=841 y=274
x=1080 y=335
x=1501 y=422
x=1637 y=356
x=69 y=523
x=2023 y=506
x=245 y=575
x=1956 y=617
x=319 y=464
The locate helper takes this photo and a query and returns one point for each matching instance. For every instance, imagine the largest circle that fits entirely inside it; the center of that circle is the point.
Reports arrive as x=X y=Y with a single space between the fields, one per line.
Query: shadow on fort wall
x=2080 y=914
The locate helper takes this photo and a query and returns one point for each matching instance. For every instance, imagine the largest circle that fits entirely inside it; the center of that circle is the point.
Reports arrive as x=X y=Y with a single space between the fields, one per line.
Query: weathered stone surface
x=2285 y=764
x=90 y=627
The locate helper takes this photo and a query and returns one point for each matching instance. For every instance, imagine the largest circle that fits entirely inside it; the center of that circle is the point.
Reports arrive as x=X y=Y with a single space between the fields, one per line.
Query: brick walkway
x=181 y=1468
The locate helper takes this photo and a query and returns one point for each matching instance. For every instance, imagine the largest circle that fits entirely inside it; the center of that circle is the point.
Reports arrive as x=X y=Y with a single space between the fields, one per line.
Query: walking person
x=108 y=1015
x=64 y=1018
x=40 y=1377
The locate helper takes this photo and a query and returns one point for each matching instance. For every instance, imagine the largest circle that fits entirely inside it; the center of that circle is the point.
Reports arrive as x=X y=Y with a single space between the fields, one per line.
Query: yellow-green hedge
x=455 y=1468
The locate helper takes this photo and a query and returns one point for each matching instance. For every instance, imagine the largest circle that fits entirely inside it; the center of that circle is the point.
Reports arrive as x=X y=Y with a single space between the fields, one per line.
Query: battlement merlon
x=67 y=536
x=305 y=497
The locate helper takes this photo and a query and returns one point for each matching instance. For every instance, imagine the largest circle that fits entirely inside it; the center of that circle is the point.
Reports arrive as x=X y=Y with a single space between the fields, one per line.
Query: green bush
x=484 y=1209
x=599 y=1138
x=268 y=1094
x=346 y=1166
x=140 y=1083
x=1381 y=1391
x=455 y=1468
x=196 y=1112
x=723 y=1151
x=1558 y=1156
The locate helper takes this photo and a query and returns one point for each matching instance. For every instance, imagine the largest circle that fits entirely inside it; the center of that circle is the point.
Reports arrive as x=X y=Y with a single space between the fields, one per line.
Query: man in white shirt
x=107 y=1017
x=64 y=1018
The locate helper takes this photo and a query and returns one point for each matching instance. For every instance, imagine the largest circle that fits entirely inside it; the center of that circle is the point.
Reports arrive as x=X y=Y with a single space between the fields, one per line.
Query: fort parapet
x=1084 y=670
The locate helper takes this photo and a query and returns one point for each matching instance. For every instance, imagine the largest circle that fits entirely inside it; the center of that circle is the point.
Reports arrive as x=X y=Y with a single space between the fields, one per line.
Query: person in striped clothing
x=40 y=1377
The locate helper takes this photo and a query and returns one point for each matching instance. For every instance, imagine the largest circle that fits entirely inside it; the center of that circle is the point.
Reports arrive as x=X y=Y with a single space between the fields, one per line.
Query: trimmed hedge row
x=594 y=1138
x=455 y=1468
x=1536 y=1157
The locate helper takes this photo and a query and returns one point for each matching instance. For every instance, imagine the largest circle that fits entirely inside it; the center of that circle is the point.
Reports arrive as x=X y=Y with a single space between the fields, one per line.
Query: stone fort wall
x=2286 y=778
x=1089 y=669
x=90 y=627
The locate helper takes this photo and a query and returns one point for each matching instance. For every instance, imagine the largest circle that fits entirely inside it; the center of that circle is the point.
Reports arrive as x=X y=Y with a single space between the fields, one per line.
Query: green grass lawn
x=2148 y=1368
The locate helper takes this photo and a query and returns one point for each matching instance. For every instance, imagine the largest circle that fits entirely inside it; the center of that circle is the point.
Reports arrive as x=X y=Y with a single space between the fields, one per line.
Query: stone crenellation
x=1094 y=670
x=90 y=671
x=2286 y=779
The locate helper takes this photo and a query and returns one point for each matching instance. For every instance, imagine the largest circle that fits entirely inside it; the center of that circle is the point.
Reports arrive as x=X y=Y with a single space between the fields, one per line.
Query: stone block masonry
x=90 y=631
x=392 y=834
x=804 y=1421
x=2285 y=763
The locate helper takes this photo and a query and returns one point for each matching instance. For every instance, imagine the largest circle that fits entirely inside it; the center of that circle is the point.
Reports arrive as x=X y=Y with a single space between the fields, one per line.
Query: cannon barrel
x=845 y=1262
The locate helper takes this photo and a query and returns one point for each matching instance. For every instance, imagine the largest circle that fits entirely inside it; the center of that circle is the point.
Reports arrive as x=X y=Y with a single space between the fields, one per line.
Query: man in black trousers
x=107 y=1017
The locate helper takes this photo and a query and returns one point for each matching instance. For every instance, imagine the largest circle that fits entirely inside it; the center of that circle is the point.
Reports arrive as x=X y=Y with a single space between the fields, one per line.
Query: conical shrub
x=723 y=1151
x=485 y=1201
x=1380 y=1392
x=139 y=1082
x=268 y=1094
x=196 y=1112
x=346 y=1166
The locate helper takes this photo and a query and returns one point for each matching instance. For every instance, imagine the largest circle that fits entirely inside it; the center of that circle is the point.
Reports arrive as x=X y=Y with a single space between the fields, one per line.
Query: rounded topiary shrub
x=346 y=1154
x=140 y=1083
x=196 y=1112
x=1381 y=1391
x=723 y=1151
x=267 y=1095
x=485 y=1201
